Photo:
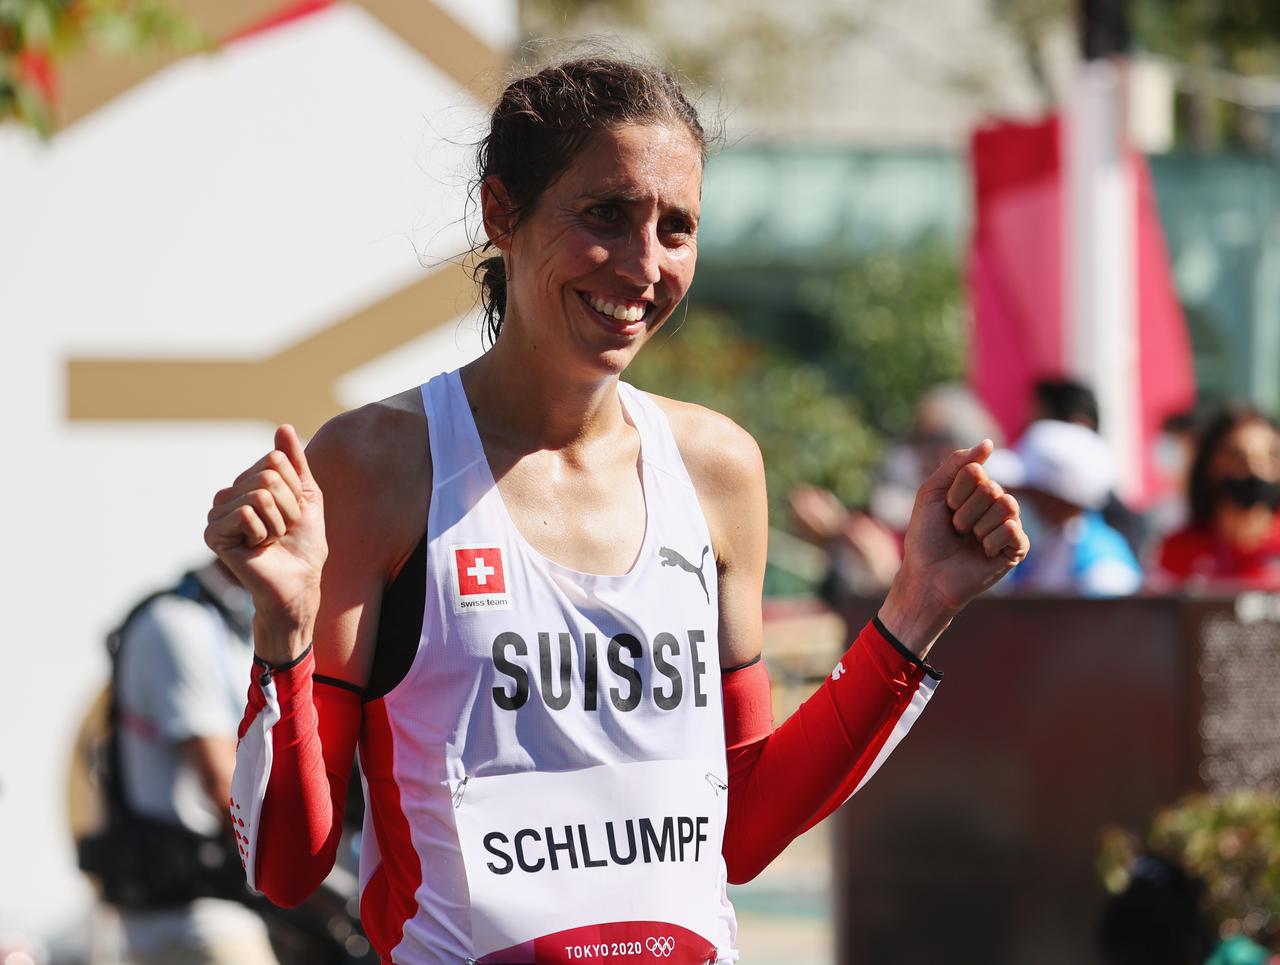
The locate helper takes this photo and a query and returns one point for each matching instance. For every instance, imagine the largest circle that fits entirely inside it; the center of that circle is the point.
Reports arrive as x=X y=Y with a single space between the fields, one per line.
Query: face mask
x=1249 y=491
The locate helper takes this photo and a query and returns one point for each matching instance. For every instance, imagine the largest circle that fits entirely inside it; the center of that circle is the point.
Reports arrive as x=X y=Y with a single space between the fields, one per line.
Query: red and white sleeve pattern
x=293 y=765
x=782 y=782
x=254 y=753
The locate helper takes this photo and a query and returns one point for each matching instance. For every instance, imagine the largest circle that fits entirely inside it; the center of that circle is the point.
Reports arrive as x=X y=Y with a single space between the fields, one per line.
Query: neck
x=529 y=400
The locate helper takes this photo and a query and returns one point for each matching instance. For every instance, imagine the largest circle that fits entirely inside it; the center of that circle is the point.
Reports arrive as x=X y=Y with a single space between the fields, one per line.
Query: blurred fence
x=978 y=840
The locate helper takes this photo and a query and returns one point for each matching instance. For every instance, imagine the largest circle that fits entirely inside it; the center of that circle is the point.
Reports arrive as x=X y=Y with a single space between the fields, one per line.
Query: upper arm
x=727 y=470
x=373 y=467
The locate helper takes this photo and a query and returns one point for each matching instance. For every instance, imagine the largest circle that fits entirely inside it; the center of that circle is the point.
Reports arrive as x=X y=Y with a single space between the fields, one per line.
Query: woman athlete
x=531 y=594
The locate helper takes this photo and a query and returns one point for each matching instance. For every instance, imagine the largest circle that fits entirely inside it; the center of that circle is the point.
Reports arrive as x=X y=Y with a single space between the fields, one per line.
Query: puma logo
x=671 y=558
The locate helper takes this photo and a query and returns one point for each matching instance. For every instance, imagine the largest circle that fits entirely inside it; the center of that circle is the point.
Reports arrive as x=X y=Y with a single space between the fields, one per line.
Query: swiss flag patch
x=479 y=578
x=480 y=570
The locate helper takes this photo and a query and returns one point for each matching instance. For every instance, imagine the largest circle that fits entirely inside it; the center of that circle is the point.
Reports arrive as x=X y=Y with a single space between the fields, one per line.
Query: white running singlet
x=548 y=781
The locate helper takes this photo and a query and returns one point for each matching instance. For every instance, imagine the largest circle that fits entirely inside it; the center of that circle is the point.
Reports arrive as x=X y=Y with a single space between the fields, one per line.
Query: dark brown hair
x=1201 y=490
x=543 y=120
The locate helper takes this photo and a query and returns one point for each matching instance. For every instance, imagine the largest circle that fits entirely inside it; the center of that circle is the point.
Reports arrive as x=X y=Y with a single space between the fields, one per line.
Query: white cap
x=1062 y=459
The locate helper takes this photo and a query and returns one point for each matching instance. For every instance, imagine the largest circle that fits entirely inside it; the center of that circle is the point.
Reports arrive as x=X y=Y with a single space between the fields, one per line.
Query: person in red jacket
x=531 y=594
x=1233 y=537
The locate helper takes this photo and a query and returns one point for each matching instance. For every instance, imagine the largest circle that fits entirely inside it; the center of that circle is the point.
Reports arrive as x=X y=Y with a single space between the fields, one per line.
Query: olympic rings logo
x=661 y=947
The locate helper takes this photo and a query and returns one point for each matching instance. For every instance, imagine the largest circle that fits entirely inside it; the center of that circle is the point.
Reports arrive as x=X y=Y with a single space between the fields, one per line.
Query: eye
x=678 y=228
x=607 y=213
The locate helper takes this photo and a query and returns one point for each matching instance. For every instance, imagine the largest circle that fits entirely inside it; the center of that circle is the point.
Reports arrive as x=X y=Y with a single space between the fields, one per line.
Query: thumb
x=945 y=474
x=287 y=441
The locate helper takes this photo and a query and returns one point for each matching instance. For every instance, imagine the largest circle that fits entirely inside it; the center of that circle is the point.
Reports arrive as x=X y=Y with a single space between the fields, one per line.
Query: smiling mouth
x=623 y=314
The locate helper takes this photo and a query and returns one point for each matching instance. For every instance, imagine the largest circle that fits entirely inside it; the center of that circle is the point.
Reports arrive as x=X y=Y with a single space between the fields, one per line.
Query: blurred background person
x=865 y=547
x=1174 y=452
x=1068 y=401
x=1063 y=473
x=1159 y=919
x=947 y=417
x=1233 y=535
x=167 y=857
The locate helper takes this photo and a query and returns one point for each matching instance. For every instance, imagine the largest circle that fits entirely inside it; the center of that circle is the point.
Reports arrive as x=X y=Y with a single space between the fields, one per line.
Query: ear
x=499 y=217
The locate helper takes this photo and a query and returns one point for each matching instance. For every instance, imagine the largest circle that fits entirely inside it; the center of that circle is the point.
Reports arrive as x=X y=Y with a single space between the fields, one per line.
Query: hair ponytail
x=491 y=275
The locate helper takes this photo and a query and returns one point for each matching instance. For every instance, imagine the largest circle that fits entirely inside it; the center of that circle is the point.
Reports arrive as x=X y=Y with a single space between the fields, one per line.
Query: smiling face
x=607 y=252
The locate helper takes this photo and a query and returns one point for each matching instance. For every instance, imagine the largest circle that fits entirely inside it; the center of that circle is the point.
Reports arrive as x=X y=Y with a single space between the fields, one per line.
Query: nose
x=640 y=262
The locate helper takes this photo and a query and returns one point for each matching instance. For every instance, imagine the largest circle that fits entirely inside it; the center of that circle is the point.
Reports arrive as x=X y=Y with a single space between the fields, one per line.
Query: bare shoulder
x=373 y=465
x=721 y=456
x=727 y=470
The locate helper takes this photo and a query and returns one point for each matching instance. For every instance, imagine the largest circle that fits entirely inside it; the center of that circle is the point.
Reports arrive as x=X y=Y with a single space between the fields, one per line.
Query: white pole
x=1100 y=316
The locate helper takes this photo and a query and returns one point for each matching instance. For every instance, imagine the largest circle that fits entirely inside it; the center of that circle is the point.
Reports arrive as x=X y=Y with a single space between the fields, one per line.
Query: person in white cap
x=1062 y=473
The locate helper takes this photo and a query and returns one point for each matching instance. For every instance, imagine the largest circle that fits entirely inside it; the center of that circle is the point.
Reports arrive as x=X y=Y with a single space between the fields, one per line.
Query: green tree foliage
x=807 y=431
x=1241 y=35
x=36 y=34
x=821 y=396
x=888 y=327
x=1230 y=841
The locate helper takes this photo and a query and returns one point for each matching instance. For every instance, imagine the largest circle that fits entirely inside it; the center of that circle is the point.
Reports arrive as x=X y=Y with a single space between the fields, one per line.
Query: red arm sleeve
x=288 y=802
x=822 y=754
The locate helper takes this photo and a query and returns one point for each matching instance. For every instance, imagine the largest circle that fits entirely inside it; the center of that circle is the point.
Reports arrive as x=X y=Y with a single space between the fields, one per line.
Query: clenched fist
x=965 y=534
x=268 y=528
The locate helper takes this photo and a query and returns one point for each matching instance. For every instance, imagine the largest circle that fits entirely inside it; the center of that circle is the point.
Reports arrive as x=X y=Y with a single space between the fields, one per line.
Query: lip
x=616 y=326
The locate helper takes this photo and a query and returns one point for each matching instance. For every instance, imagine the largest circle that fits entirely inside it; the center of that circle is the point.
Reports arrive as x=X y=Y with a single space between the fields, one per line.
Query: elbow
x=288 y=894
x=295 y=883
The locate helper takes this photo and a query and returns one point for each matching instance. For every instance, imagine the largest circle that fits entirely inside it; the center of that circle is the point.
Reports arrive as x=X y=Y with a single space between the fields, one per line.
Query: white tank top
x=548 y=782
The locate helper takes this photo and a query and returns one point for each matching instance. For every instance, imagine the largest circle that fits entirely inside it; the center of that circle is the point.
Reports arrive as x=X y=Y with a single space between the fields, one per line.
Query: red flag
x=1017 y=271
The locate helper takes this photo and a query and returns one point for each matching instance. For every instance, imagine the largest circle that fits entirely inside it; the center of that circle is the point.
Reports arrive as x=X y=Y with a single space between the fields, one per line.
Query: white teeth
x=622 y=313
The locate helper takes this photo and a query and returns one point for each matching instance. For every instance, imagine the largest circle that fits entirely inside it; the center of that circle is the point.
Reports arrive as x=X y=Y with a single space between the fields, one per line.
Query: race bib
x=617 y=863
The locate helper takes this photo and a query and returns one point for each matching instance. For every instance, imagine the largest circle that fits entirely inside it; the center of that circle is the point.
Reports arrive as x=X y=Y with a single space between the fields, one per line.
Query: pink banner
x=1016 y=286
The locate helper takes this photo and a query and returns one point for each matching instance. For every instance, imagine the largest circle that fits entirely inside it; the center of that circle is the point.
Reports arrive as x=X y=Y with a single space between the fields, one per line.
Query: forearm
x=782 y=782
x=293 y=764
x=913 y=616
x=283 y=636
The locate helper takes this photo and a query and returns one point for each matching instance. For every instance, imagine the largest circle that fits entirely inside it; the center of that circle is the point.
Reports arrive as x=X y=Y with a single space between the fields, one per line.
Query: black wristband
x=272 y=668
x=901 y=648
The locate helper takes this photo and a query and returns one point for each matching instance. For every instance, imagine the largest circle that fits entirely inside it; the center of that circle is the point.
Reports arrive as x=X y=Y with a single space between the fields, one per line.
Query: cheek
x=544 y=260
x=680 y=268
x=580 y=246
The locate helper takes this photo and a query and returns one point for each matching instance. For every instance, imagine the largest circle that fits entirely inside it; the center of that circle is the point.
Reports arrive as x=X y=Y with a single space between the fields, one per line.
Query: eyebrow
x=623 y=196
